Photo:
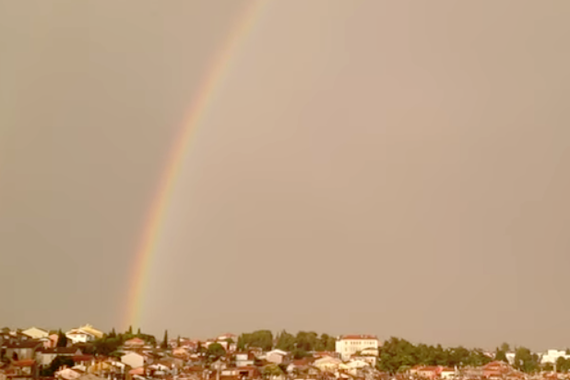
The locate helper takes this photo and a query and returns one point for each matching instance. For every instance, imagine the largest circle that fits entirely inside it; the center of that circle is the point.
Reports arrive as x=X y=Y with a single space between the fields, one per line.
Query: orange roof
x=137 y=371
x=429 y=368
x=135 y=341
x=24 y=363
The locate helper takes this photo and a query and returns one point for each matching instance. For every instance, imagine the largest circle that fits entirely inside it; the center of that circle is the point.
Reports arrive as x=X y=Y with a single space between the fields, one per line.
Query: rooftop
x=358 y=337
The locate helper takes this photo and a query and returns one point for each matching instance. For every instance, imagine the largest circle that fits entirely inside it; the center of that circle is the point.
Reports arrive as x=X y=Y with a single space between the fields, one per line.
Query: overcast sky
x=389 y=167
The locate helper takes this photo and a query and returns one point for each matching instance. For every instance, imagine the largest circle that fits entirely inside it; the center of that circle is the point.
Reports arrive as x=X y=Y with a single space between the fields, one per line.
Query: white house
x=371 y=360
x=447 y=373
x=36 y=333
x=552 y=355
x=80 y=336
x=327 y=364
x=133 y=360
x=228 y=341
x=242 y=360
x=46 y=356
x=92 y=330
x=275 y=356
x=357 y=364
x=227 y=336
x=510 y=357
x=348 y=345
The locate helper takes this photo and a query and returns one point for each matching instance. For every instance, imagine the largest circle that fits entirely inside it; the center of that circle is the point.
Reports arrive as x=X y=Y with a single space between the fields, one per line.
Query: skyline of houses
x=32 y=353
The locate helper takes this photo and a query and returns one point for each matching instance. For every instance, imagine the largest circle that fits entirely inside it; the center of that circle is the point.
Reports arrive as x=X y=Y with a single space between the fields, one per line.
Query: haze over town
x=363 y=167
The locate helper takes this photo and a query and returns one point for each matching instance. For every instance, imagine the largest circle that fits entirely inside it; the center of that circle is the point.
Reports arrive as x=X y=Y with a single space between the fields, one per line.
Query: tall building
x=348 y=345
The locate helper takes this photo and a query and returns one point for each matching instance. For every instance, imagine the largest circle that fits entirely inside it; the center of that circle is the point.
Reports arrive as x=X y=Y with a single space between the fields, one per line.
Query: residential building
x=327 y=364
x=496 y=369
x=93 y=331
x=22 y=350
x=447 y=373
x=348 y=345
x=429 y=372
x=84 y=334
x=79 y=336
x=552 y=355
x=276 y=356
x=45 y=356
x=24 y=369
x=36 y=333
x=510 y=357
x=244 y=359
x=134 y=343
x=371 y=360
x=355 y=364
x=133 y=360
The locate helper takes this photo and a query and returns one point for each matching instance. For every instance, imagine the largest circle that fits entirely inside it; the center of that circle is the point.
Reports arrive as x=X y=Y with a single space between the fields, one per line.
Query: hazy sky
x=389 y=167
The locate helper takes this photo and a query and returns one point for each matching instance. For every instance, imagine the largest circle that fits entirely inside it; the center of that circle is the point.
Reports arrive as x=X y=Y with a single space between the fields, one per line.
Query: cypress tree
x=61 y=339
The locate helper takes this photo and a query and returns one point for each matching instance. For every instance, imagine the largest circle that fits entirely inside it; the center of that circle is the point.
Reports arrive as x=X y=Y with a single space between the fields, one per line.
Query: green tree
x=164 y=344
x=548 y=367
x=139 y=331
x=215 y=351
x=328 y=342
x=178 y=341
x=562 y=364
x=307 y=341
x=130 y=330
x=396 y=353
x=526 y=361
x=477 y=358
x=241 y=343
x=299 y=353
x=112 y=334
x=56 y=364
x=271 y=370
x=458 y=356
x=107 y=345
x=285 y=341
x=501 y=355
x=61 y=339
x=261 y=338
x=440 y=356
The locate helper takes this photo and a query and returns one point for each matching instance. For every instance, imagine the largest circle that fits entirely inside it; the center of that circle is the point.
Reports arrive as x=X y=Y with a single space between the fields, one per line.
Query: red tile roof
x=24 y=363
x=429 y=369
x=27 y=344
x=82 y=358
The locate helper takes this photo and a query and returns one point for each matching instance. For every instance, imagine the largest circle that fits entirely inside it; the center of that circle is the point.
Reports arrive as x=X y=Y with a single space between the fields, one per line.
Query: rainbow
x=196 y=112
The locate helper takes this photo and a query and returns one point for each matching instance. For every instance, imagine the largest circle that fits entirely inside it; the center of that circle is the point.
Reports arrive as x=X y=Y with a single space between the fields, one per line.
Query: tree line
x=300 y=345
x=111 y=342
x=398 y=355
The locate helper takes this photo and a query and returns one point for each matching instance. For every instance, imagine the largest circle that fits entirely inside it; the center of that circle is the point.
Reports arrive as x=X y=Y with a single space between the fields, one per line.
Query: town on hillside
x=86 y=353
